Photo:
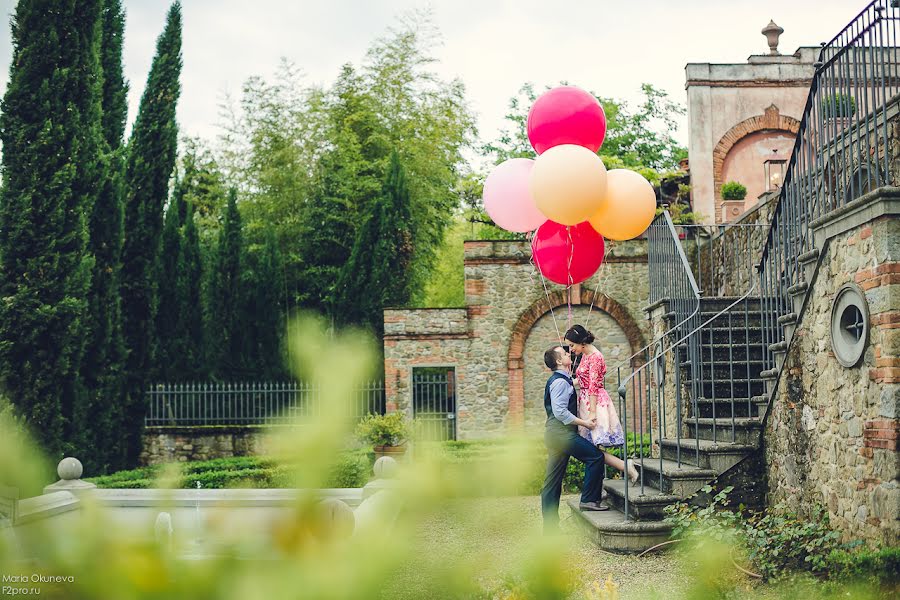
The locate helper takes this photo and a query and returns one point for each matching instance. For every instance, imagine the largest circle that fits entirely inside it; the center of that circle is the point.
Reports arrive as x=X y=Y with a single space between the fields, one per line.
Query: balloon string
x=547 y=294
x=599 y=281
x=569 y=274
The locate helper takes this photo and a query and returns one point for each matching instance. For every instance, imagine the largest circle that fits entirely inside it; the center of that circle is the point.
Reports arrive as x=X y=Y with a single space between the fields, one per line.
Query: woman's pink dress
x=591 y=372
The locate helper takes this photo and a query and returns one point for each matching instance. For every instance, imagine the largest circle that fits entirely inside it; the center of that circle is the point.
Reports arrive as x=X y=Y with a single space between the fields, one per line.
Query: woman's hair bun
x=579 y=335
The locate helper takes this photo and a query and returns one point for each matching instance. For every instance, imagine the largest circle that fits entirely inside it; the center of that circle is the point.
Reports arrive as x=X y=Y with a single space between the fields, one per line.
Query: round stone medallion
x=849 y=324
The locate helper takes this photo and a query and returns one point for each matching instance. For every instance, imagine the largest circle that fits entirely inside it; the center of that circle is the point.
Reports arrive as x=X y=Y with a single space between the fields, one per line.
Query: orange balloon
x=568 y=183
x=629 y=207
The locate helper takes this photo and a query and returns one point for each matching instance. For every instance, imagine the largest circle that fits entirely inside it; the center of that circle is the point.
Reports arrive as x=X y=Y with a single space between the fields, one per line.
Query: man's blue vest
x=573 y=399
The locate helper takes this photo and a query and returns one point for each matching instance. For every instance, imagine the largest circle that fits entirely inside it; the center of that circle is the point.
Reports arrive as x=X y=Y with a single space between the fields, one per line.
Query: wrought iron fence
x=842 y=151
x=434 y=402
x=249 y=403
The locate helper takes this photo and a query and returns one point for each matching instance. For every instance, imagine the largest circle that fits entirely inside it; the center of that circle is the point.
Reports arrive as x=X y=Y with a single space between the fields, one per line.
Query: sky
x=493 y=46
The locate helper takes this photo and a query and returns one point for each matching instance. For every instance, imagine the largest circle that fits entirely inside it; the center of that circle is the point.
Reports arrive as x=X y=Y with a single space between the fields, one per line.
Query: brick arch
x=515 y=357
x=770 y=120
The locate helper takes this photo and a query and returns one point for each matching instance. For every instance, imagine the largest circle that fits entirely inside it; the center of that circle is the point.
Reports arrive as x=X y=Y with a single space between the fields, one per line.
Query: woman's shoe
x=632 y=474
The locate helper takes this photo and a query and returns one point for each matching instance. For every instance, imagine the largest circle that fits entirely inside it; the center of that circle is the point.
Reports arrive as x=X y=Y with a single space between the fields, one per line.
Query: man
x=562 y=441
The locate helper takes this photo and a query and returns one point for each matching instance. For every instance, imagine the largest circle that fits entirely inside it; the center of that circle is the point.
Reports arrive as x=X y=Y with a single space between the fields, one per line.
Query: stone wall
x=498 y=355
x=183 y=444
x=831 y=436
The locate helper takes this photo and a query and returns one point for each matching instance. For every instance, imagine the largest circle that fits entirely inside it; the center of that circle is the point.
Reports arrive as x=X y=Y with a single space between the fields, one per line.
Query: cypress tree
x=226 y=296
x=151 y=158
x=168 y=298
x=264 y=315
x=190 y=364
x=51 y=166
x=379 y=272
x=102 y=369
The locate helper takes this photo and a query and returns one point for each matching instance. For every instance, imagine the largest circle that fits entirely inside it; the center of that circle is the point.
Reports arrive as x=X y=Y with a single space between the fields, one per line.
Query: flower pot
x=393 y=451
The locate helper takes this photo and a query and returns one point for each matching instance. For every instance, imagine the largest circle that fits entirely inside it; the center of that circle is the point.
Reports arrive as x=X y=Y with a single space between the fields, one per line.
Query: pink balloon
x=567 y=255
x=507 y=196
x=566 y=115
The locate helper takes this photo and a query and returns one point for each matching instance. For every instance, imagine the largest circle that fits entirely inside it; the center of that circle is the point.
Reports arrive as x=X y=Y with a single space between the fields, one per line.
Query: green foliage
x=52 y=162
x=264 y=319
x=680 y=214
x=379 y=271
x=167 y=355
x=838 y=105
x=102 y=368
x=778 y=543
x=225 y=302
x=151 y=159
x=732 y=190
x=351 y=470
x=189 y=344
x=311 y=162
x=391 y=429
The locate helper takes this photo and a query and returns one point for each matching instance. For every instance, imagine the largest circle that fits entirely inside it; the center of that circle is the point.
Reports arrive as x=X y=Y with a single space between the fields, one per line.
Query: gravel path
x=487 y=540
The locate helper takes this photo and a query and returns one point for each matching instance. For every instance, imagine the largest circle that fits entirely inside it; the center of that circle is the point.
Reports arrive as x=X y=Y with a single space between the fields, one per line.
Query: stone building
x=493 y=347
x=740 y=115
x=779 y=372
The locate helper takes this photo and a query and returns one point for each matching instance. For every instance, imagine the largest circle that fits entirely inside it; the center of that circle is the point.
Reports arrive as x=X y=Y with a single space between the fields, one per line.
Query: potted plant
x=387 y=433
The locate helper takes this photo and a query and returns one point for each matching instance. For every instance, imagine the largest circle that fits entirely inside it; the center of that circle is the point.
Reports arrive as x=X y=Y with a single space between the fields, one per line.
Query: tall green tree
x=380 y=270
x=225 y=303
x=51 y=165
x=151 y=158
x=188 y=347
x=169 y=302
x=102 y=369
x=263 y=314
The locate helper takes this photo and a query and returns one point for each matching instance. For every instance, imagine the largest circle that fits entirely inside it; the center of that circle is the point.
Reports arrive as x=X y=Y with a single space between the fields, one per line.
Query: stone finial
x=385 y=467
x=772 y=33
x=69 y=469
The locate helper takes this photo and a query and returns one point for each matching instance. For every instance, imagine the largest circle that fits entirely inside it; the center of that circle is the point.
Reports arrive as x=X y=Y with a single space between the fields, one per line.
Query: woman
x=594 y=401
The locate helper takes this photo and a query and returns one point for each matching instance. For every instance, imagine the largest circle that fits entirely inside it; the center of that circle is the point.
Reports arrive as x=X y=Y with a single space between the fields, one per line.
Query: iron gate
x=434 y=402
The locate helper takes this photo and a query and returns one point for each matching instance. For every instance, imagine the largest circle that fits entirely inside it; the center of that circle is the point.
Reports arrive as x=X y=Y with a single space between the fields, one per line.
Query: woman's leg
x=614 y=461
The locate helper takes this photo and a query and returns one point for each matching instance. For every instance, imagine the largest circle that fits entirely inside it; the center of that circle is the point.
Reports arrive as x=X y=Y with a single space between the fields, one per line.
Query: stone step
x=718 y=456
x=671 y=478
x=722 y=368
x=644 y=503
x=724 y=407
x=744 y=430
x=723 y=388
x=720 y=303
x=611 y=532
x=738 y=318
x=721 y=352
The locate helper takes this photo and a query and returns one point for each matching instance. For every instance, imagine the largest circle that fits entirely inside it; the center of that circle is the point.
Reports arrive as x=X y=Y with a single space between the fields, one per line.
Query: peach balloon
x=629 y=207
x=568 y=183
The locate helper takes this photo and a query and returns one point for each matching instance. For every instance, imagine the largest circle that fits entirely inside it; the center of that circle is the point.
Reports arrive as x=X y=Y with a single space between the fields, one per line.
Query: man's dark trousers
x=562 y=442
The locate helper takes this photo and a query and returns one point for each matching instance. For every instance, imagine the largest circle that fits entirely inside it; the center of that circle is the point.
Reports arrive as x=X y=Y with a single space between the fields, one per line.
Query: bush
x=351 y=470
x=838 y=106
x=779 y=544
x=733 y=190
x=391 y=429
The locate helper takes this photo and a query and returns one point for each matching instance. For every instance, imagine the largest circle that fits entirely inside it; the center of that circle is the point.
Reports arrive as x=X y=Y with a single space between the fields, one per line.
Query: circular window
x=849 y=325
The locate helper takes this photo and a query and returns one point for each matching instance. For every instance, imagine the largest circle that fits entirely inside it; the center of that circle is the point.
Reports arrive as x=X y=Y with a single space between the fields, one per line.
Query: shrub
x=391 y=429
x=733 y=190
x=838 y=105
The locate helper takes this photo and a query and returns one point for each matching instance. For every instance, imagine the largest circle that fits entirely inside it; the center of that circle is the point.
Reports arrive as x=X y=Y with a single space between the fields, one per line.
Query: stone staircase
x=719 y=441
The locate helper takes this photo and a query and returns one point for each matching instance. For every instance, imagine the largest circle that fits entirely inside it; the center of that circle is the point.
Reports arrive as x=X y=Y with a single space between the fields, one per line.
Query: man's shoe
x=592 y=506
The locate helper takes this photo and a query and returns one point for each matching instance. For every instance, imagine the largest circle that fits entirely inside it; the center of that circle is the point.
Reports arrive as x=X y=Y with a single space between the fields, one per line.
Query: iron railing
x=434 y=403
x=842 y=151
x=249 y=403
x=694 y=333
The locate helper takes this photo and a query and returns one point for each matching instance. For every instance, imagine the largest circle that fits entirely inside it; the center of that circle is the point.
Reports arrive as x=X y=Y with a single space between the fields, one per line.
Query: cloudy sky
x=493 y=46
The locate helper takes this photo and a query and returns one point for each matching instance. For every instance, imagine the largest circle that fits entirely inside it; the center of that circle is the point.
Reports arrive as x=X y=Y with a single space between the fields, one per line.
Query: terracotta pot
x=394 y=451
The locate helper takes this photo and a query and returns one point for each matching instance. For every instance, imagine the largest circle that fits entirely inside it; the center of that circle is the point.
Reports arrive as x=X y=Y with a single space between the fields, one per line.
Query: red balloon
x=567 y=255
x=566 y=115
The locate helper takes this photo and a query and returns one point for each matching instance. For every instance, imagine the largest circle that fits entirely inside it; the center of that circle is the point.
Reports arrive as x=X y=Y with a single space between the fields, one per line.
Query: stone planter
x=392 y=451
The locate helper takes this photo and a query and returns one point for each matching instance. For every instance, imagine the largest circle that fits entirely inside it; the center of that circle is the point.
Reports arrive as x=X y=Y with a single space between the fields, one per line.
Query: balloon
x=507 y=196
x=629 y=207
x=566 y=115
x=568 y=184
x=567 y=255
